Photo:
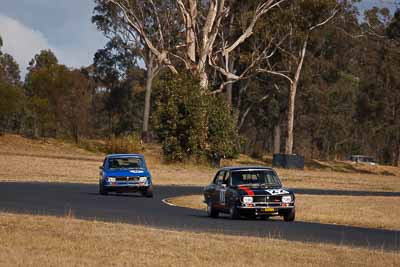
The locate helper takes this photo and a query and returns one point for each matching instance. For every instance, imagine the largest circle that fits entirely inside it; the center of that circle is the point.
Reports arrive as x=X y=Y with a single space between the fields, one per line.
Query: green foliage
x=223 y=137
x=125 y=144
x=44 y=59
x=59 y=98
x=192 y=125
x=11 y=94
x=9 y=70
x=393 y=30
x=181 y=118
x=11 y=104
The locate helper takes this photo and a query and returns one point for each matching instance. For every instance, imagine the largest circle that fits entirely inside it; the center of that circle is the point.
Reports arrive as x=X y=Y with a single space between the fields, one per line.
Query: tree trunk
x=277 y=139
x=35 y=127
x=76 y=134
x=190 y=31
x=290 y=119
x=229 y=95
x=203 y=80
x=292 y=98
x=147 y=103
x=397 y=156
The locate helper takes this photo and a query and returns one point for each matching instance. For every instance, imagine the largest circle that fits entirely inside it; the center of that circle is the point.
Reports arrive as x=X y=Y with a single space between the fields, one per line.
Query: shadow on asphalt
x=133 y=195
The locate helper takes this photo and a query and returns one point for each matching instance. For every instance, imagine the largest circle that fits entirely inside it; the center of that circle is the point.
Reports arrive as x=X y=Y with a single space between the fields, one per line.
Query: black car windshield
x=125 y=163
x=258 y=177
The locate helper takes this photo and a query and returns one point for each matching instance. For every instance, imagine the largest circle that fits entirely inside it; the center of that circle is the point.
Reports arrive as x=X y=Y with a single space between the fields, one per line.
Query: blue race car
x=125 y=173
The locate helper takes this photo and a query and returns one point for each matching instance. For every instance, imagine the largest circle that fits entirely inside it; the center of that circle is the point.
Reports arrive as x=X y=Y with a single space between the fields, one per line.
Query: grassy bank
x=372 y=212
x=53 y=241
x=23 y=159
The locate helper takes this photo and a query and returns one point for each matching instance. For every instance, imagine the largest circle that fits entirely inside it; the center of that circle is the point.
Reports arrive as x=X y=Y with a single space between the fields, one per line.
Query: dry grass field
x=23 y=159
x=372 y=212
x=28 y=240
x=64 y=241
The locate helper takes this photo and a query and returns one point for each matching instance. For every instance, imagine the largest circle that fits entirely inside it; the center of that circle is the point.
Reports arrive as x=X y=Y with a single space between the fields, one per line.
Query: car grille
x=127 y=179
x=267 y=199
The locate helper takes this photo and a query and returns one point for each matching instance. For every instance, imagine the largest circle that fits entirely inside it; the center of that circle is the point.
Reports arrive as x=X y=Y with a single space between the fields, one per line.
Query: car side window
x=104 y=163
x=219 y=178
x=227 y=179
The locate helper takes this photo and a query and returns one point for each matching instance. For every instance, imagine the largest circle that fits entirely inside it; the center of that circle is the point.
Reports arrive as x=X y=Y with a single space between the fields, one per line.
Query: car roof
x=124 y=156
x=240 y=168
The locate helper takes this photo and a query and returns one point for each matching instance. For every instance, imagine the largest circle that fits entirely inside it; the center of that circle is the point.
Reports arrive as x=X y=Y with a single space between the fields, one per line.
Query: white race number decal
x=277 y=191
x=222 y=196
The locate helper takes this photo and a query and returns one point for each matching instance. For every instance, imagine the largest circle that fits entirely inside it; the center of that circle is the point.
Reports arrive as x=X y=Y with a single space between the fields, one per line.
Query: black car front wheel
x=234 y=213
x=290 y=215
x=211 y=211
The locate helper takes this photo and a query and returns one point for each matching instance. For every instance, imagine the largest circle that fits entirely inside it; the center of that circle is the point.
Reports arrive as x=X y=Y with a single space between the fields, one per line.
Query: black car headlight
x=247 y=200
x=287 y=199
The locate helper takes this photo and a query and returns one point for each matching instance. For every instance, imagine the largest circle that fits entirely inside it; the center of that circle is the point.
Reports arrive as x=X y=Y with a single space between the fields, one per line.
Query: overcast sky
x=64 y=26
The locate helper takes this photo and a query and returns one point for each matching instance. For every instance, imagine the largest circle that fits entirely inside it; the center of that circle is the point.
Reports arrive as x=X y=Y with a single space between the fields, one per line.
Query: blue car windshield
x=125 y=163
x=258 y=177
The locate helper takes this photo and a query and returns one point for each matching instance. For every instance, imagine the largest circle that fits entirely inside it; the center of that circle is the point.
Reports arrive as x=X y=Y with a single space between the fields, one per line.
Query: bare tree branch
x=325 y=21
x=261 y=10
x=137 y=25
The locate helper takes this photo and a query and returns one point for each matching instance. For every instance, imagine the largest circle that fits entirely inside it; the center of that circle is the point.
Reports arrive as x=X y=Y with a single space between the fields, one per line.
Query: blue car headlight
x=143 y=179
x=111 y=179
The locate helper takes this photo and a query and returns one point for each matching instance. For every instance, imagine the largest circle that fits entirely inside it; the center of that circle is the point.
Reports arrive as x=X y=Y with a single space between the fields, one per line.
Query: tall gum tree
x=141 y=37
x=302 y=19
x=202 y=45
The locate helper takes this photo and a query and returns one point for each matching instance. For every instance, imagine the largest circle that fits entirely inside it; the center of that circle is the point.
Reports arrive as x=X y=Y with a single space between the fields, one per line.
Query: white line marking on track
x=165 y=201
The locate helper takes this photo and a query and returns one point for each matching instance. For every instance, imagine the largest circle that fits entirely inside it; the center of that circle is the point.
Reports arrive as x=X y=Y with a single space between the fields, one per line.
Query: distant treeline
x=333 y=72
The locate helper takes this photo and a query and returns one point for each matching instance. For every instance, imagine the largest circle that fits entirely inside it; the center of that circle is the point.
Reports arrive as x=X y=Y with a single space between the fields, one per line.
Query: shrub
x=192 y=125
x=223 y=137
x=125 y=144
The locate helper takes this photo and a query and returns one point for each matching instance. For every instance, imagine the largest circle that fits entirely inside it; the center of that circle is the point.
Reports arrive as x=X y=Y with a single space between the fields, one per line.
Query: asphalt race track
x=83 y=201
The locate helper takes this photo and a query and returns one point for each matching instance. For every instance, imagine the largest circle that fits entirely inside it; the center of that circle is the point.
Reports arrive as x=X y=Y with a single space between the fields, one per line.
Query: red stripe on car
x=247 y=190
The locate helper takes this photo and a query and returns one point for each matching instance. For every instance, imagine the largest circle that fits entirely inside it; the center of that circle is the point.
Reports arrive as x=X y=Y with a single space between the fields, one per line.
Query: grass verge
x=371 y=212
x=27 y=240
x=23 y=159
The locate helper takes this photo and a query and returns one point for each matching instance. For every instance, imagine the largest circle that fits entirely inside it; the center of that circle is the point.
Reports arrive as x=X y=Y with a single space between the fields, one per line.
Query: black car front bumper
x=268 y=210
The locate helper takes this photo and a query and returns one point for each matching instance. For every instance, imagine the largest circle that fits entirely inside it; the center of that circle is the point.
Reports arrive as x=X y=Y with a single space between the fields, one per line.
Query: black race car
x=249 y=191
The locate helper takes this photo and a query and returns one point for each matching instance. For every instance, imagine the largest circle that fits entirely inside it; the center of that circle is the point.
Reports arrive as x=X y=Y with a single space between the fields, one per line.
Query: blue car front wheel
x=102 y=189
x=148 y=192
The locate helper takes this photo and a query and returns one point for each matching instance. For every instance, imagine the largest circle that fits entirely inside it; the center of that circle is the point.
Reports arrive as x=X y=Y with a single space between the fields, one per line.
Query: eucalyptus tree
x=11 y=94
x=138 y=38
x=201 y=42
x=296 y=23
x=378 y=112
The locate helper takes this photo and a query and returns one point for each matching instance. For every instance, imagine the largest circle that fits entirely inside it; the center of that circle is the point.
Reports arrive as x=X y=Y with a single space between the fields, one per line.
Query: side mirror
x=101 y=168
